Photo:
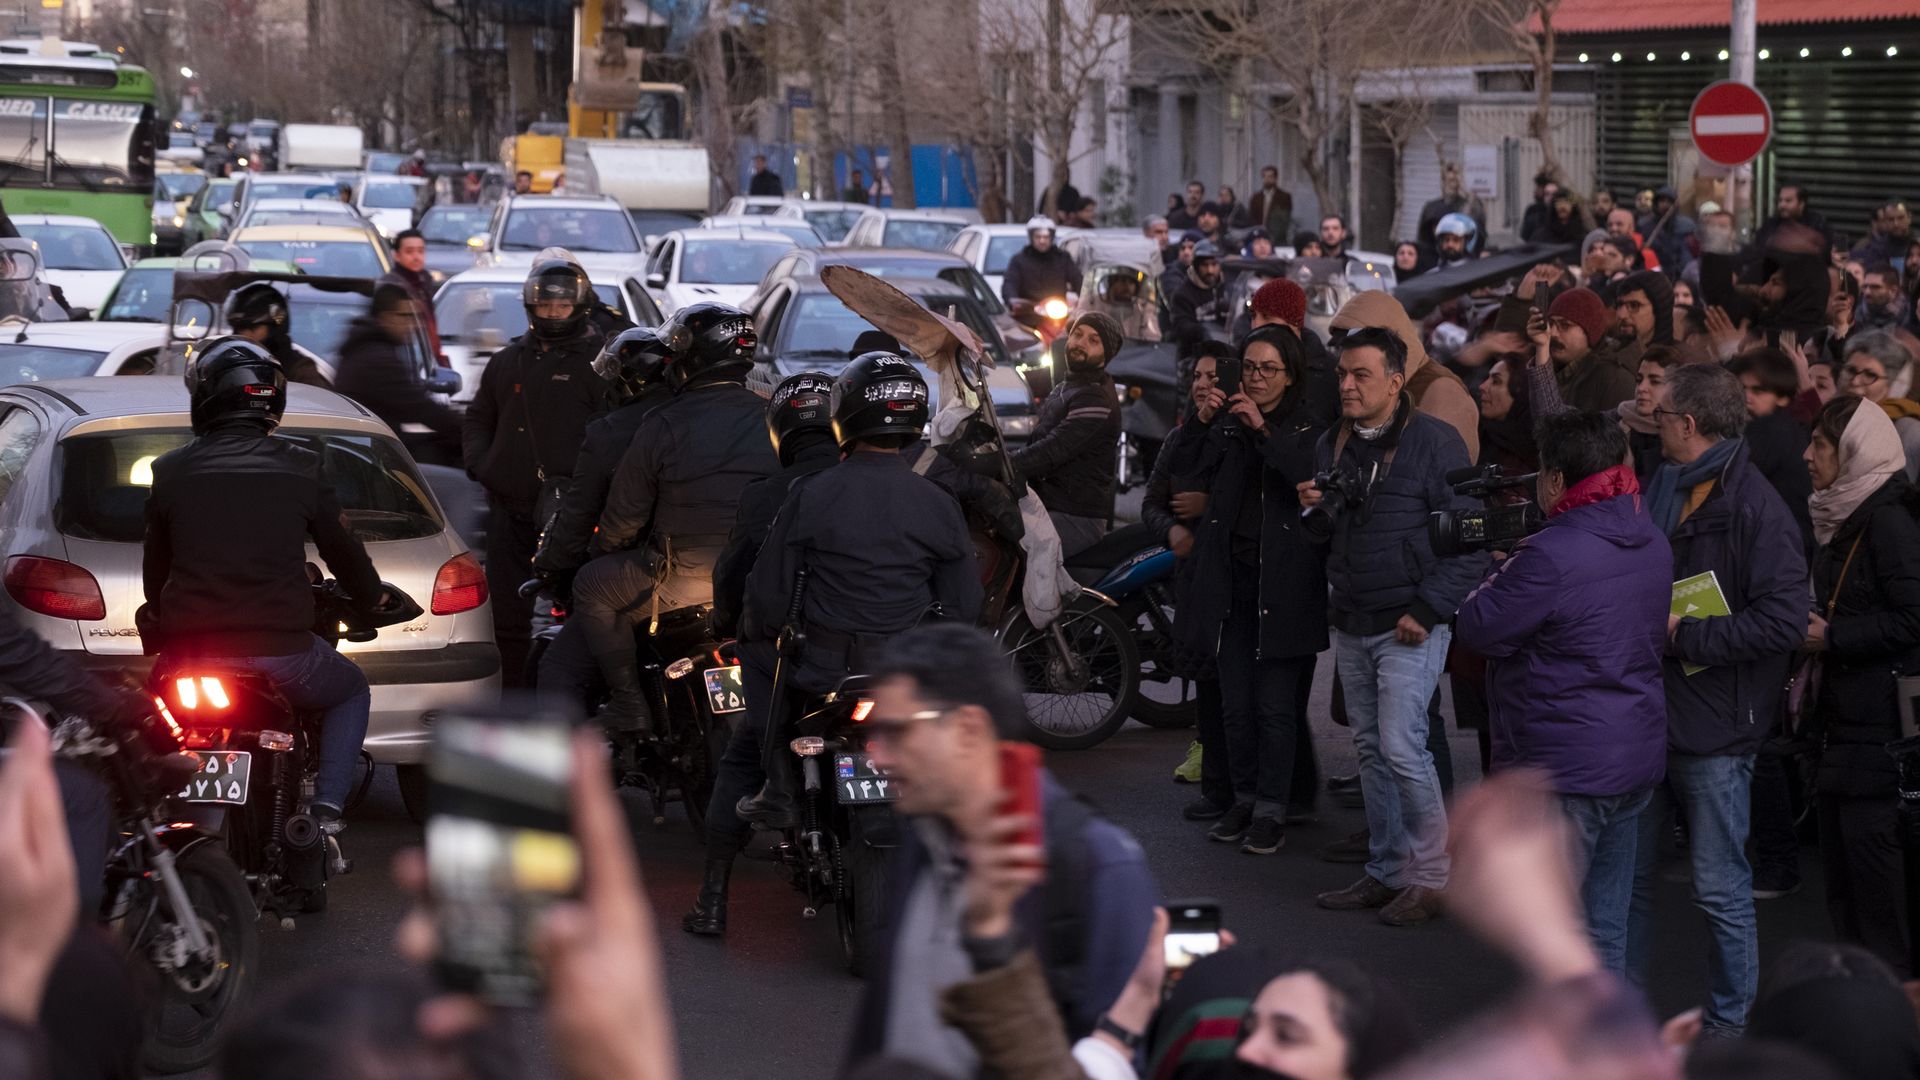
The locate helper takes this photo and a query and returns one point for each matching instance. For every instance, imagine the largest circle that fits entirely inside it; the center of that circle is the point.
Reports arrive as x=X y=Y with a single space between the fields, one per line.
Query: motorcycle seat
x=1110 y=551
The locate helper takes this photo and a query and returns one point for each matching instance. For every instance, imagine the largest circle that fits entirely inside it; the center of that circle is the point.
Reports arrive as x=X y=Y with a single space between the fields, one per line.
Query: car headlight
x=1018 y=426
x=179 y=221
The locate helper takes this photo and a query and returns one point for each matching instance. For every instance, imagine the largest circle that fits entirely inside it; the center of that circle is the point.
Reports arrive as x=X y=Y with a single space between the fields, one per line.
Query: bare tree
x=1082 y=42
x=1539 y=46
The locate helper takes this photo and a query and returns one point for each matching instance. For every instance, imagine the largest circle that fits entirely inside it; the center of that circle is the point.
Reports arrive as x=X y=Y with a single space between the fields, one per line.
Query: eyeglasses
x=1658 y=411
x=1851 y=374
x=892 y=730
x=1265 y=371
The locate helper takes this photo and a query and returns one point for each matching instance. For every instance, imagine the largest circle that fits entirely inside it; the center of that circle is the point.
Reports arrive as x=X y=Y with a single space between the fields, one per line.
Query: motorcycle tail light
x=275 y=740
x=55 y=588
x=860 y=710
x=808 y=746
x=461 y=585
x=191 y=692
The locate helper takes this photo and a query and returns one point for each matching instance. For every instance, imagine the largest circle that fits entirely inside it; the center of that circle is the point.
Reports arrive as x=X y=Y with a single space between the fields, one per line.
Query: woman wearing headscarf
x=1866 y=631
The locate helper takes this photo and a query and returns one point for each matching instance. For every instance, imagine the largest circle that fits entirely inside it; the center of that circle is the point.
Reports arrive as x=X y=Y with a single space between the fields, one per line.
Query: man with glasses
x=1875 y=359
x=1565 y=351
x=1738 y=549
x=944 y=700
x=377 y=371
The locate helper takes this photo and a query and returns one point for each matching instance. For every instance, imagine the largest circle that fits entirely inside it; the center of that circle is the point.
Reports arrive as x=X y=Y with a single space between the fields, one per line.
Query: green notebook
x=1699 y=597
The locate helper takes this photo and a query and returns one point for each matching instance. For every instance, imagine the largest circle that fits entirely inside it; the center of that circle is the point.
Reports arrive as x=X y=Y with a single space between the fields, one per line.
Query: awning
x=1621 y=16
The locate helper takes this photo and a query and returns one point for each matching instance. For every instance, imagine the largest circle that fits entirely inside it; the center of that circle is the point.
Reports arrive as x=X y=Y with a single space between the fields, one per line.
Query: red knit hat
x=1585 y=309
x=1282 y=299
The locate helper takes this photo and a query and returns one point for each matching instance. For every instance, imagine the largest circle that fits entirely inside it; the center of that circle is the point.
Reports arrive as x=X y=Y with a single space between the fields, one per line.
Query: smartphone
x=500 y=846
x=1512 y=315
x=1226 y=374
x=1193 y=931
x=1020 y=787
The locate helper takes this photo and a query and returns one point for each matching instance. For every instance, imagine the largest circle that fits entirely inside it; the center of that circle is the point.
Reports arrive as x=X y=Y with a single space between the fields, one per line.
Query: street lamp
x=186 y=72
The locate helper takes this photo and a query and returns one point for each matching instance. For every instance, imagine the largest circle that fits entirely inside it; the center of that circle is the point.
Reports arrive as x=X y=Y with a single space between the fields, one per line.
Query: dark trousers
x=740 y=772
x=1776 y=851
x=1216 y=781
x=1866 y=875
x=611 y=596
x=1259 y=699
x=569 y=677
x=511 y=539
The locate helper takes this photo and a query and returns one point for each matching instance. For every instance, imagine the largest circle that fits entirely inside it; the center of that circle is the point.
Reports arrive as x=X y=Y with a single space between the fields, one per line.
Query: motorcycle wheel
x=1165 y=699
x=413 y=790
x=1077 y=700
x=860 y=903
x=189 y=1018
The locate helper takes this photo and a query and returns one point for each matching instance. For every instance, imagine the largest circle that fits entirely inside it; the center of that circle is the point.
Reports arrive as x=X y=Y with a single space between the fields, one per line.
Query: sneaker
x=1362 y=895
x=1414 y=905
x=1773 y=886
x=1203 y=810
x=1264 y=837
x=1357 y=848
x=1188 y=771
x=1232 y=824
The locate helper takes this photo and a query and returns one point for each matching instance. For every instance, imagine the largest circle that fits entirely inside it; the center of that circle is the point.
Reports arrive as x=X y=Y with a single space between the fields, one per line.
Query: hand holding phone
x=1006 y=852
x=1193 y=931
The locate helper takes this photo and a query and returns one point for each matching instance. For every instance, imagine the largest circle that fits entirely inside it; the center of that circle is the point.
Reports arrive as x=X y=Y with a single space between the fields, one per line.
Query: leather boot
x=709 y=915
x=773 y=807
x=627 y=709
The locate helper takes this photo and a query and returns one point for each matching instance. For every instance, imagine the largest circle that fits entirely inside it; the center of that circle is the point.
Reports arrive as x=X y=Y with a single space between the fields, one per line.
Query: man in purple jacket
x=1574 y=625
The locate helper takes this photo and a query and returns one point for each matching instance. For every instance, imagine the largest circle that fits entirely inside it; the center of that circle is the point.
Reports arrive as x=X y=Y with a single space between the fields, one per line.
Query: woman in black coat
x=1866 y=628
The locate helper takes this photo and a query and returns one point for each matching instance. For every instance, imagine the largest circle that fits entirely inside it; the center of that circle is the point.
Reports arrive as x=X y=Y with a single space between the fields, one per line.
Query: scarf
x=1599 y=487
x=1630 y=418
x=1870 y=454
x=1671 y=482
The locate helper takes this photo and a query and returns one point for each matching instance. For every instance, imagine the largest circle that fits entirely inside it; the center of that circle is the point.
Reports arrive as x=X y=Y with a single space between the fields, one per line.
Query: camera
x=1341 y=489
x=1499 y=524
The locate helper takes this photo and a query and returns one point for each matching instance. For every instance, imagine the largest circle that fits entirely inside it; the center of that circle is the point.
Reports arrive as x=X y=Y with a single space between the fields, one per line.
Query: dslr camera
x=1342 y=490
x=1501 y=521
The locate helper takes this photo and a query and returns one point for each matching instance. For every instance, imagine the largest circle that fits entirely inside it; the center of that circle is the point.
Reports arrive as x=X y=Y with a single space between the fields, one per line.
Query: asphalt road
x=772 y=999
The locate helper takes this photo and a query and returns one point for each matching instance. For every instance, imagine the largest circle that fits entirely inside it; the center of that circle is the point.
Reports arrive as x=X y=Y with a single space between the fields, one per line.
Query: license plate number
x=223 y=777
x=725 y=692
x=856 y=780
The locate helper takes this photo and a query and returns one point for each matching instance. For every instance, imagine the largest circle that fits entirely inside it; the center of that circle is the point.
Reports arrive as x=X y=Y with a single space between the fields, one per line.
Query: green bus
x=76 y=136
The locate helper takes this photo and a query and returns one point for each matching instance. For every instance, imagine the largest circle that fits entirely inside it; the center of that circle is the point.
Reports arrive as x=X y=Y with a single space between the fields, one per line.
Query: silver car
x=76 y=461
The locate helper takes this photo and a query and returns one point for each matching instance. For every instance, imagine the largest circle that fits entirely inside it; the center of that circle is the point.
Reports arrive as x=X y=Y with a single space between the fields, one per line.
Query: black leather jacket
x=530 y=415
x=563 y=544
x=1069 y=461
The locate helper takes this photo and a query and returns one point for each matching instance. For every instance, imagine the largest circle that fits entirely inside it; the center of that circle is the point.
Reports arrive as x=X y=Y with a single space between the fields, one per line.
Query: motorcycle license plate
x=725 y=692
x=223 y=776
x=858 y=781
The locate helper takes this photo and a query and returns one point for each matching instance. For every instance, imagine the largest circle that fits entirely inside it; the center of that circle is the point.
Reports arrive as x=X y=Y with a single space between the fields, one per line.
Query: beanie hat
x=1281 y=299
x=1104 y=325
x=1587 y=245
x=1585 y=309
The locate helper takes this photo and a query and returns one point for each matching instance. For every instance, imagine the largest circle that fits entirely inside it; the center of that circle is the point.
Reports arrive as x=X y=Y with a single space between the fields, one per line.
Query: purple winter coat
x=1574 y=625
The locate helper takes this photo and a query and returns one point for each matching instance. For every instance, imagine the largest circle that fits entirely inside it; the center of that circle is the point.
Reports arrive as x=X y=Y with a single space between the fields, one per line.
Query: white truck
x=648 y=177
x=320 y=147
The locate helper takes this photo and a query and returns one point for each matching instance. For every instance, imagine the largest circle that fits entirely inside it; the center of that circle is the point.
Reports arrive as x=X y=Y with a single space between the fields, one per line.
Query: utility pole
x=1740 y=56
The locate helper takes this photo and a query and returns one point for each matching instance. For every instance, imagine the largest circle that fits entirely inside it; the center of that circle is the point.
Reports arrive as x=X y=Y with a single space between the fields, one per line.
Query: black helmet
x=878 y=394
x=556 y=279
x=632 y=361
x=231 y=378
x=258 y=304
x=802 y=402
x=708 y=338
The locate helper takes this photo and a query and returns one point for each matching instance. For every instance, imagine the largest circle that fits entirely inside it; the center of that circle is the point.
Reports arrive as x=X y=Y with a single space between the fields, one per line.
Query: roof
x=128 y=395
x=318 y=206
x=1614 y=16
x=104 y=336
x=828 y=204
x=854 y=256
x=912 y=286
x=892 y=214
x=729 y=232
x=345 y=234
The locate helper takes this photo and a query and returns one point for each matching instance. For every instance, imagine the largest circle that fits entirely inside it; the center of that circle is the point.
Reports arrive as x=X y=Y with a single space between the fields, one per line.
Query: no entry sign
x=1731 y=123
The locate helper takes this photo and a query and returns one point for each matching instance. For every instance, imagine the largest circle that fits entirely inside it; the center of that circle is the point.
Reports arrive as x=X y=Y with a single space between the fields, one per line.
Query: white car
x=299 y=212
x=595 y=229
x=928 y=230
x=832 y=220
x=388 y=201
x=726 y=265
x=41 y=351
x=477 y=311
x=803 y=234
x=753 y=204
x=989 y=248
x=78 y=254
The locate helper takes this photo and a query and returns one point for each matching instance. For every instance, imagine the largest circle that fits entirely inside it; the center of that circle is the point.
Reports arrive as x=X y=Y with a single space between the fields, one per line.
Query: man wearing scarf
x=1573 y=625
x=1723 y=673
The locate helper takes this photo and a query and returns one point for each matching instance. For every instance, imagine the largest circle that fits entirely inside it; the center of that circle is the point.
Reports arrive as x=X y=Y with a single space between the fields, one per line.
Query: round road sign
x=1731 y=123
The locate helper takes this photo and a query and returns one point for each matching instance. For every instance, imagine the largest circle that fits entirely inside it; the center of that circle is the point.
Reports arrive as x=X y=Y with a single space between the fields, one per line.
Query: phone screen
x=1193 y=931
x=500 y=847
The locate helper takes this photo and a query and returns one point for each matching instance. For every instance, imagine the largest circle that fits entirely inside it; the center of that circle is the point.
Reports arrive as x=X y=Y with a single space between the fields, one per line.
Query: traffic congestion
x=630 y=607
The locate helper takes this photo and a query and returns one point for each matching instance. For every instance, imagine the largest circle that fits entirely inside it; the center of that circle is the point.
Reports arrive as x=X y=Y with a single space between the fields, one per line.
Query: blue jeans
x=321 y=680
x=1606 y=836
x=1713 y=795
x=1387 y=686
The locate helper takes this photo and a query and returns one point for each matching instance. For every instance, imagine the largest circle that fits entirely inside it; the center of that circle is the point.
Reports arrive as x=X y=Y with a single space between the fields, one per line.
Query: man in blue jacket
x=1574 y=624
x=1390 y=598
x=944 y=698
x=1723 y=672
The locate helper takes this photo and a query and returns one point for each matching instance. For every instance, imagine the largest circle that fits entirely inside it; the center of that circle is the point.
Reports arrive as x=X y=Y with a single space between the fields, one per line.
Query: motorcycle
x=1048 y=317
x=232 y=720
x=1135 y=570
x=1152 y=394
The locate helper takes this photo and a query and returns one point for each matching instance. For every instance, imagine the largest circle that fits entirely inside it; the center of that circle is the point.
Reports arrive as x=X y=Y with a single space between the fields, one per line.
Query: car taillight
x=860 y=710
x=52 y=587
x=461 y=585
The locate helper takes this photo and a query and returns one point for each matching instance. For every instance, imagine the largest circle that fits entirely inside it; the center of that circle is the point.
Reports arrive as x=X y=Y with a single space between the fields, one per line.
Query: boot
x=773 y=807
x=709 y=915
x=627 y=709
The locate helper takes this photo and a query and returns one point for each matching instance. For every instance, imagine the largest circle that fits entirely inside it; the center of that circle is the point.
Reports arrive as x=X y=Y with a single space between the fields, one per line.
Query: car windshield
x=925 y=235
x=832 y=224
x=1000 y=252
x=141 y=296
x=292 y=217
x=179 y=186
x=465 y=310
x=729 y=262
x=453 y=225
x=291 y=189
x=105 y=479
x=332 y=258
x=220 y=193
x=75 y=247
x=27 y=362
x=576 y=230
x=388 y=196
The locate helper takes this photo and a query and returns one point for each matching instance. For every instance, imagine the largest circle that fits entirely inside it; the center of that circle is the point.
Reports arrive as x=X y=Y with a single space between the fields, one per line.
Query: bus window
x=23 y=139
x=103 y=144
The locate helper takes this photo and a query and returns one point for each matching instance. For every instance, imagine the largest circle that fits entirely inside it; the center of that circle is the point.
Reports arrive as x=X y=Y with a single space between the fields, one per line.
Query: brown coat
x=1011 y=1020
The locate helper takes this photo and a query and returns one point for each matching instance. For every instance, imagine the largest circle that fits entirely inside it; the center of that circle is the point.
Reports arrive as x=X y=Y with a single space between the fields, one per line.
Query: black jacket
x=1069 y=461
x=759 y=502
x=1156 y=509
x=228 y=522
x=563 y=544
x=1776 y=444
x=1037 y=275
x=31 y=668
x=530 y=415
x=1872 y=640
x=1193 y=311
x=766 y=182
x=374 y=371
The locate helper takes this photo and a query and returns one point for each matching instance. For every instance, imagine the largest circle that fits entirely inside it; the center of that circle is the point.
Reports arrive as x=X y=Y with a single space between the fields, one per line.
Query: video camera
x=1497 y=525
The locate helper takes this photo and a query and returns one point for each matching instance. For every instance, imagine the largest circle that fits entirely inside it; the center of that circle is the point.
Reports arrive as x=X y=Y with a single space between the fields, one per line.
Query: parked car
x=753 y=204
x=73 y=486
x=78 y=255
x=299 y=212
x=389 y=201
x=596 y=229
x=481 y=309
x=448 y=229
x=928 y=230
x=832 y=220
x=72 y=350
x=802 y=233
x=209 y=212
x=727 y=264
x=333 y=250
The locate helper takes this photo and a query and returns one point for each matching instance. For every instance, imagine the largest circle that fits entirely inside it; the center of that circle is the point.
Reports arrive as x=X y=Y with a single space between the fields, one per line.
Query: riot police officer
x=882 y=547
x=673 y=499
x=258 y=313
x=523 y=431
x=633 y=364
